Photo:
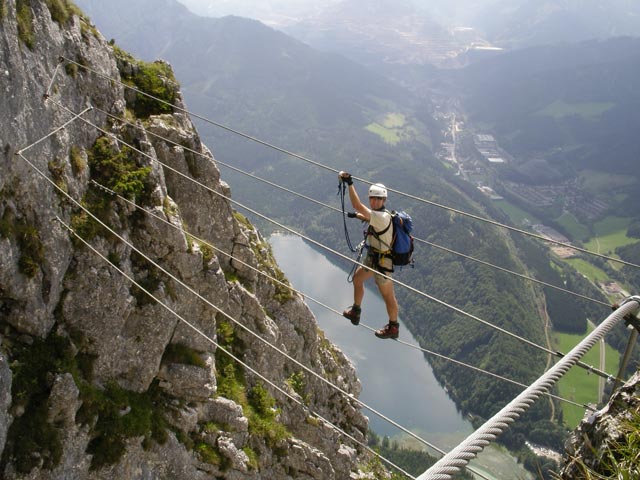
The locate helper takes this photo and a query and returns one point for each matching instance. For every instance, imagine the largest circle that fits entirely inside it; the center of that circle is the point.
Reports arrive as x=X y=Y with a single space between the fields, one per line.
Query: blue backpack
x=402 y=244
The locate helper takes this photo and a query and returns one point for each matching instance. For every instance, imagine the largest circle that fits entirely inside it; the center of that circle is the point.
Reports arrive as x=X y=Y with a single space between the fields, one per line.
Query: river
x=396 y=380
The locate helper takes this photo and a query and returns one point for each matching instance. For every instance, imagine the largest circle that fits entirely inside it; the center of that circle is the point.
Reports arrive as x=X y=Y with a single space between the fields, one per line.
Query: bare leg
x=389 y=297
x=358 y=284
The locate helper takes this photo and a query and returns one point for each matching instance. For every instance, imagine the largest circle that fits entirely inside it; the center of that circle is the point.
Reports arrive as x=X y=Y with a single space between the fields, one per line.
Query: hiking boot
x=353 y=314
x=390 y=330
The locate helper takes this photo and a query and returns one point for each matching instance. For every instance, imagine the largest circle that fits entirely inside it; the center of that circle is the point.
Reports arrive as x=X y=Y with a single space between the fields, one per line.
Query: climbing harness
x=360 y=249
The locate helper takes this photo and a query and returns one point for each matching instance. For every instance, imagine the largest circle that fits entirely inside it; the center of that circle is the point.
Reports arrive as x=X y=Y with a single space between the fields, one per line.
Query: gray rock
x=5 y=398
x=63 y=401
x=188 y=381
x=89 y=297
x=238 y=459
x=599 y=431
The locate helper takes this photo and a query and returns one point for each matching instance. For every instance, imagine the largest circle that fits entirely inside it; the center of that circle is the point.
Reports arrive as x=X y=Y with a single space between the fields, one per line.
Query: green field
x=518 y=217
x=590 y=271
x=395 y=128
x=597 y=183
x=560 y=109
x=576 y=230
x=610 y=234
x=577 y=384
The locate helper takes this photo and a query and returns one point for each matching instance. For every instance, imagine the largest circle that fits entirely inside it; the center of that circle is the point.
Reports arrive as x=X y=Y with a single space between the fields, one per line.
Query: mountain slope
x=535 y=22
x=240 y=56
x=573 y=105
x=516 y=24
x=382 y=32
x=261 y=82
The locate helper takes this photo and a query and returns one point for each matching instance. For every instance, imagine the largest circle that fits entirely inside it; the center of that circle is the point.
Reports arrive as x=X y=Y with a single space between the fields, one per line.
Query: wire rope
x=318 y=164
x=511 y=272
x=78 y=204
x=232 y=356
x=331 y=207
x=453 y=462
x=78 y=116
x=318 y=302
x=236 y=322
x=56 y=130
x=324 y=247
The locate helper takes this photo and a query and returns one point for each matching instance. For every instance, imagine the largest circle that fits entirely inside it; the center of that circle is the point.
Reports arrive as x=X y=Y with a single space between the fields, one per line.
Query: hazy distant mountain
x=521 y=23
x=538 y=22
x=270 y=12
x=562 y=111
x=242 y=61
x=258 y=80
x=385 y=31
x=348 y=25
x=575 y=105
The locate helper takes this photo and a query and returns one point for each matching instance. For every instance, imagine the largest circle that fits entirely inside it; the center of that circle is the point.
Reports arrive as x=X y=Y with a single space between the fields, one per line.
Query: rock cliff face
x=605 y=444
x=97 y=379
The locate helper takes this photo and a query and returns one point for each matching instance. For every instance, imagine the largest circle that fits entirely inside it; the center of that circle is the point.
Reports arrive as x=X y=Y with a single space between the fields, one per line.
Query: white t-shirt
x=379 y=221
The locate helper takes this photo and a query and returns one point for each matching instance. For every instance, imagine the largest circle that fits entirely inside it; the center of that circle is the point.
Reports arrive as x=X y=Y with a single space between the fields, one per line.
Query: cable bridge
x=458 y=458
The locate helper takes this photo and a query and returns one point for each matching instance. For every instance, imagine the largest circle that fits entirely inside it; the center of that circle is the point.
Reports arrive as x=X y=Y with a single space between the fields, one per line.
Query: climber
x=378 y=257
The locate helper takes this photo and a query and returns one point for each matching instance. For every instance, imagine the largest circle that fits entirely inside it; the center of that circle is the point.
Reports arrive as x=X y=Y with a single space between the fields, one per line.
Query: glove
x=346 y=177
x=352 y=215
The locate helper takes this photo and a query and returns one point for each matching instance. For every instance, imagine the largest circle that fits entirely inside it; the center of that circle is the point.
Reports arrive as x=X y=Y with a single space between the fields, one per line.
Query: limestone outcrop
x=605 y=442
x=98 y=379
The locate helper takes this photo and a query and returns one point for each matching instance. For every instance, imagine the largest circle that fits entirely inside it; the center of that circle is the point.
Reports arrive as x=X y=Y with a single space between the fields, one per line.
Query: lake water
x=396 y=380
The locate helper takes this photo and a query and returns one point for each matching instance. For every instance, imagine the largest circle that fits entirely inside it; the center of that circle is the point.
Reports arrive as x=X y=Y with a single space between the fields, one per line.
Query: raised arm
x=362 y=211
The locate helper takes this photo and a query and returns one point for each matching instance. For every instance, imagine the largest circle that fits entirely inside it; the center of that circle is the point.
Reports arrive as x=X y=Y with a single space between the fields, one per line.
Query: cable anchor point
x=631 y=320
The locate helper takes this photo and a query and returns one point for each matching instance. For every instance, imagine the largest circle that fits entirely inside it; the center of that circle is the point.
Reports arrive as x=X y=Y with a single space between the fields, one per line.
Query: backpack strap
x=377 y=235
x=384 y=230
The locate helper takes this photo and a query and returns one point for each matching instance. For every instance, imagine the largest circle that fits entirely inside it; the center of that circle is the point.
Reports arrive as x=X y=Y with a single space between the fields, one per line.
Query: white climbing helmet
x=378 y=190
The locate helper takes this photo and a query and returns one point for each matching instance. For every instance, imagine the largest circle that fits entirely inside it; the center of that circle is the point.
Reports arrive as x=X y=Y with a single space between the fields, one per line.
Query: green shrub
x=230 y=382
x=25 y=23
x=31 y=249
x=297 y=382
x=210 y=455
x=268 y=428
x=60 y=10
x=7 y=223
x=622 y=458
x=180 y=353
x=231 y=276
x=31 y=432
x=56 y=168
x=98 y=203
x=113 y=168
x=120 y=414
x=78 y=163
x=262 y=417
x=207 y=254
x=117 y=169
x=225 y=333
x=253 y=458
x=258 y=404
x=262 y=402
x=152 y=80
x=113 y=414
